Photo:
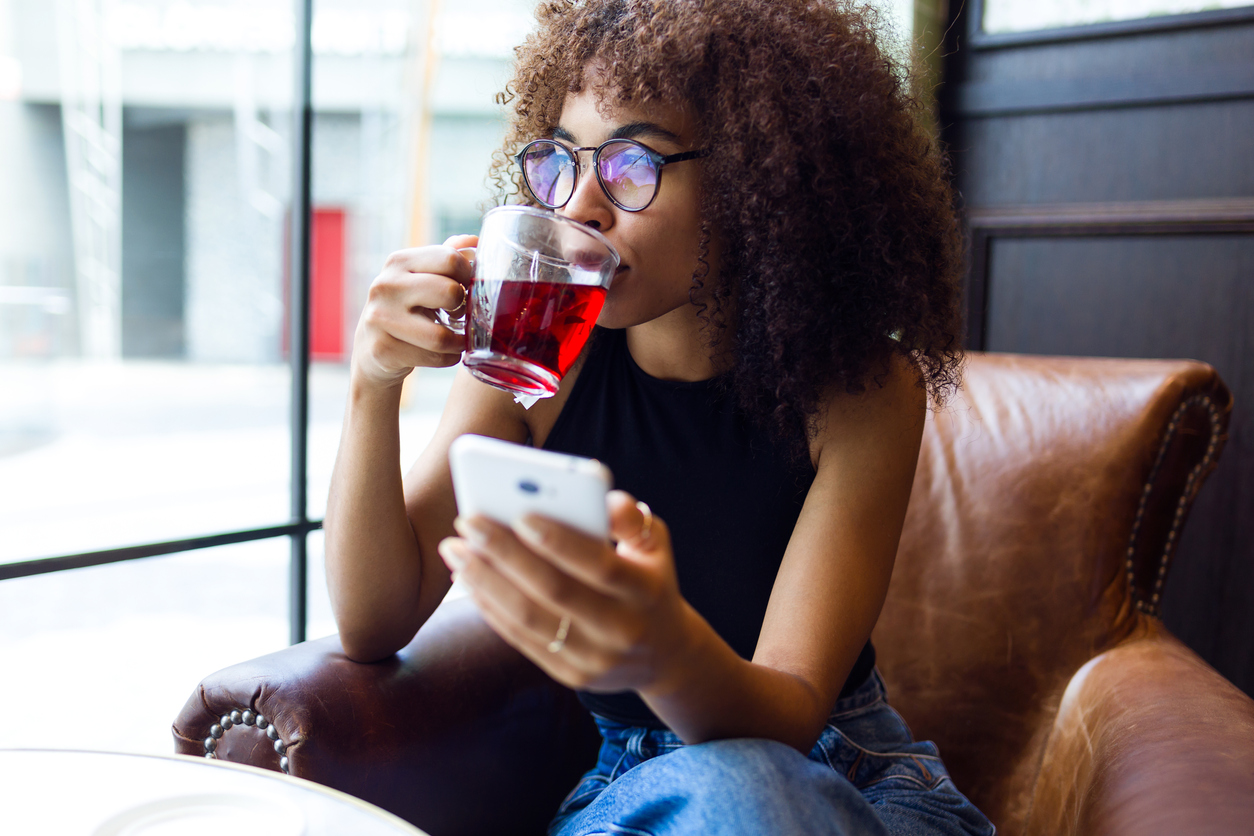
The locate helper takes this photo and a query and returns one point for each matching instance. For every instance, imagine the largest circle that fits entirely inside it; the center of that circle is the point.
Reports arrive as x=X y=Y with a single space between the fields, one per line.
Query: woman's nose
x=589 y=203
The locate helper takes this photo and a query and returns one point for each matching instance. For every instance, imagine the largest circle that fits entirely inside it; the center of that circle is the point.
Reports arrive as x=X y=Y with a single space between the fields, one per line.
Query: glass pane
x=319 y=620
x=424 y=401
x=105 y=657
x=1026 y=15
x=142 y=255
x=405 y=126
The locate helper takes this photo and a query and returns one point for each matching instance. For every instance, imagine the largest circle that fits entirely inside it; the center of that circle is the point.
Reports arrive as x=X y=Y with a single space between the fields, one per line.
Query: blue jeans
x=865 y=775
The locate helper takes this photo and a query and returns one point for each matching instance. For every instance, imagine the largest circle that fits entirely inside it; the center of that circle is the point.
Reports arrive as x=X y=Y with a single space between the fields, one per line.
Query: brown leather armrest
x=457 y=733
x=1149 y=740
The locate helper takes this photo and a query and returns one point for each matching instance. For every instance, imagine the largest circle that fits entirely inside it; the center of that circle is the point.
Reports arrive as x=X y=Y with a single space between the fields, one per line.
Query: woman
x=785 y=305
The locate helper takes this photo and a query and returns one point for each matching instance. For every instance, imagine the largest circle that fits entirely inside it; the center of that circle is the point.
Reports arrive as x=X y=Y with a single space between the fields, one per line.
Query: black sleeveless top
x=729 y=494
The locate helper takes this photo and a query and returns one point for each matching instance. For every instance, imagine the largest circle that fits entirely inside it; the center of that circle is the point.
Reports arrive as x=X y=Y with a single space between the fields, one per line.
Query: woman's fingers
x=459 y=242
x=633 y=525
x=393 y=346
x=404 y=354
x=418 y=328
x=619 y=603
x=591 y=561
x=631 y=572
x=426 y=277
x=562 y=664
x=522 y=616
x=398 y=329
x=567 y=646
x=517 y=570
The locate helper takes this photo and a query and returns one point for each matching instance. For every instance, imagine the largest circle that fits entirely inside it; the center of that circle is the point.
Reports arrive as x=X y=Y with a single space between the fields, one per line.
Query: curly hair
x=830 y=202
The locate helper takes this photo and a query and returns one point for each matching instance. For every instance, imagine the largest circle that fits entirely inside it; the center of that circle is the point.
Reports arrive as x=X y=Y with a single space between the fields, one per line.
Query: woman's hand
x=618 y=606
x=398 y=330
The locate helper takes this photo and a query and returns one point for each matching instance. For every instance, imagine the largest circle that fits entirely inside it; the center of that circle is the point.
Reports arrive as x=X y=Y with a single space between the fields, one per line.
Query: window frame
x=977 y=38
x=299 y=525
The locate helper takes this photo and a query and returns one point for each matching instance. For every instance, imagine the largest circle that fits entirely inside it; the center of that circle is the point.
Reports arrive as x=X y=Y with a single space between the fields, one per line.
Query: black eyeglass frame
x=658 y=159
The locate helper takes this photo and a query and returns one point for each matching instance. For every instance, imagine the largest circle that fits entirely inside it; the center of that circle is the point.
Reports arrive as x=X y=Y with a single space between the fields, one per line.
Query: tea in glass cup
x=540 y=282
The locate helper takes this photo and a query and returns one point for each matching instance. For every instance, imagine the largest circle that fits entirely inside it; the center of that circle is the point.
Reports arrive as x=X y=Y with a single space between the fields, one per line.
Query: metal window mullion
x=104 y=557
x=299 y=283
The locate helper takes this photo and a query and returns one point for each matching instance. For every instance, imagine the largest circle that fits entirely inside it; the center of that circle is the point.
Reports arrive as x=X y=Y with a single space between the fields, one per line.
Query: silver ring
x=563 y=630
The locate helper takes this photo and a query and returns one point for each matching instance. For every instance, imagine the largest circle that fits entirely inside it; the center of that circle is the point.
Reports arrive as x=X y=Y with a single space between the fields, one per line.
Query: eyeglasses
x=629 y=173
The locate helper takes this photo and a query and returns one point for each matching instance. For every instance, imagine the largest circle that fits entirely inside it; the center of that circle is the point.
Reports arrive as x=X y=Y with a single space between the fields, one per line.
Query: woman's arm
x=829 y=590
x=383 y=573
x=630 y=628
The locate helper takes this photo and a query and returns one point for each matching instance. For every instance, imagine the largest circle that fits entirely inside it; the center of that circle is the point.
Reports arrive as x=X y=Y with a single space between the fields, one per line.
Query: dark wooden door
x=1107 y=174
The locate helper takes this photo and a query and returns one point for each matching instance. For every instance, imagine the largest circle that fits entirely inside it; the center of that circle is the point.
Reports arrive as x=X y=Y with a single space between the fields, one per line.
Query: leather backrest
x=1047 y=503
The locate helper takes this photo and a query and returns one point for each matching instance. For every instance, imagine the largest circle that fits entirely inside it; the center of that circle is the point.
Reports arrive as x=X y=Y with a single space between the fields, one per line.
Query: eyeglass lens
x=550 y=172
x=627 y=172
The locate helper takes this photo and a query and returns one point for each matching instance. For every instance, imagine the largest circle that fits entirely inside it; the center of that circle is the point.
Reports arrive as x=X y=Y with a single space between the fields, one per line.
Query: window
x=1027 y=15
x=147 y=422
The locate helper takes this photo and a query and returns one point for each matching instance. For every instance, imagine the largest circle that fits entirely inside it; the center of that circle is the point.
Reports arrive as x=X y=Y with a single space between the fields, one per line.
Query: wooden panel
x=1168 y=217
x=1185 y=151
x=1069 y=296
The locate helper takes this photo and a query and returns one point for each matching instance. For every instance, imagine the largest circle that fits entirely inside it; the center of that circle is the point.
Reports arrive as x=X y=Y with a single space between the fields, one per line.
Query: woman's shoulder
x=890 y=409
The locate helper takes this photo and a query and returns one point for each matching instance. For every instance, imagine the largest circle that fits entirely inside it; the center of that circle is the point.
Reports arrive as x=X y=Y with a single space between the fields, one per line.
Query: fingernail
x=448 y=551
x=529 y=528
x=471 y=530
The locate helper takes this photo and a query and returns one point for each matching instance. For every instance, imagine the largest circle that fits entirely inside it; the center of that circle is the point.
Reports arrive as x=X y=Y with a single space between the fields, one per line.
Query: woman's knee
x=766 y=785
x=749 y=767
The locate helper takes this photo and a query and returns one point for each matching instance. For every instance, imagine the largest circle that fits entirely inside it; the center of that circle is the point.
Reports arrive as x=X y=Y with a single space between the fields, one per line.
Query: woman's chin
x=620 y=313
x=624 y=316
x=610 y=319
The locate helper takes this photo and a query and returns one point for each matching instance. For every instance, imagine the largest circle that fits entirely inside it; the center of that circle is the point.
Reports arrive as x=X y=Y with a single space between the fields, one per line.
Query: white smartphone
x=503 y=481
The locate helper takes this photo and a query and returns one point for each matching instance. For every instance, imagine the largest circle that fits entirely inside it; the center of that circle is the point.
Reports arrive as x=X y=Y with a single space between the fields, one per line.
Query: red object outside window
x=326 y=326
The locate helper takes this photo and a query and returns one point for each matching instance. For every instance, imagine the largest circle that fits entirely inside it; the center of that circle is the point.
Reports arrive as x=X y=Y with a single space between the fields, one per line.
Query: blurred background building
x=146 y=164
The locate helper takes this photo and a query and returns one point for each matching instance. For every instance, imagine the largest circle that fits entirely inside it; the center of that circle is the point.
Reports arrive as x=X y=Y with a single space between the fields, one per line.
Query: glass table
x=58 y=792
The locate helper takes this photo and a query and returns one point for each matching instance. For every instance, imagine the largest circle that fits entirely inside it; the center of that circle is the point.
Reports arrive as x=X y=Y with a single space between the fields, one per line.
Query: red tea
x=516 y=326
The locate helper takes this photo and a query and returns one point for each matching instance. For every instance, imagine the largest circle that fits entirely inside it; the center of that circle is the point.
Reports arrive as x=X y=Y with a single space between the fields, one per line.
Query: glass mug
x=540 y=282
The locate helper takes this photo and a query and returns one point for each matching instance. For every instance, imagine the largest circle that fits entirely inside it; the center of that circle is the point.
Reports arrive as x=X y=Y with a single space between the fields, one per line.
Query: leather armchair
x=1020 y=633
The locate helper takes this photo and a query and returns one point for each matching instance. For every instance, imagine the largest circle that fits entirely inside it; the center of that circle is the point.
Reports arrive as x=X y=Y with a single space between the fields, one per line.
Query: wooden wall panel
x=1183 y=151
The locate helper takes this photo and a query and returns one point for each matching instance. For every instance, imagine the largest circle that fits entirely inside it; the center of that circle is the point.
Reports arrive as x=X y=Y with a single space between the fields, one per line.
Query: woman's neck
x=673 y=347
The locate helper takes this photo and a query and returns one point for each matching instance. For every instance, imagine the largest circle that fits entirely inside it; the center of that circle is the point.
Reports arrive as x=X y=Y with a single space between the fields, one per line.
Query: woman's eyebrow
x=632 y=130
